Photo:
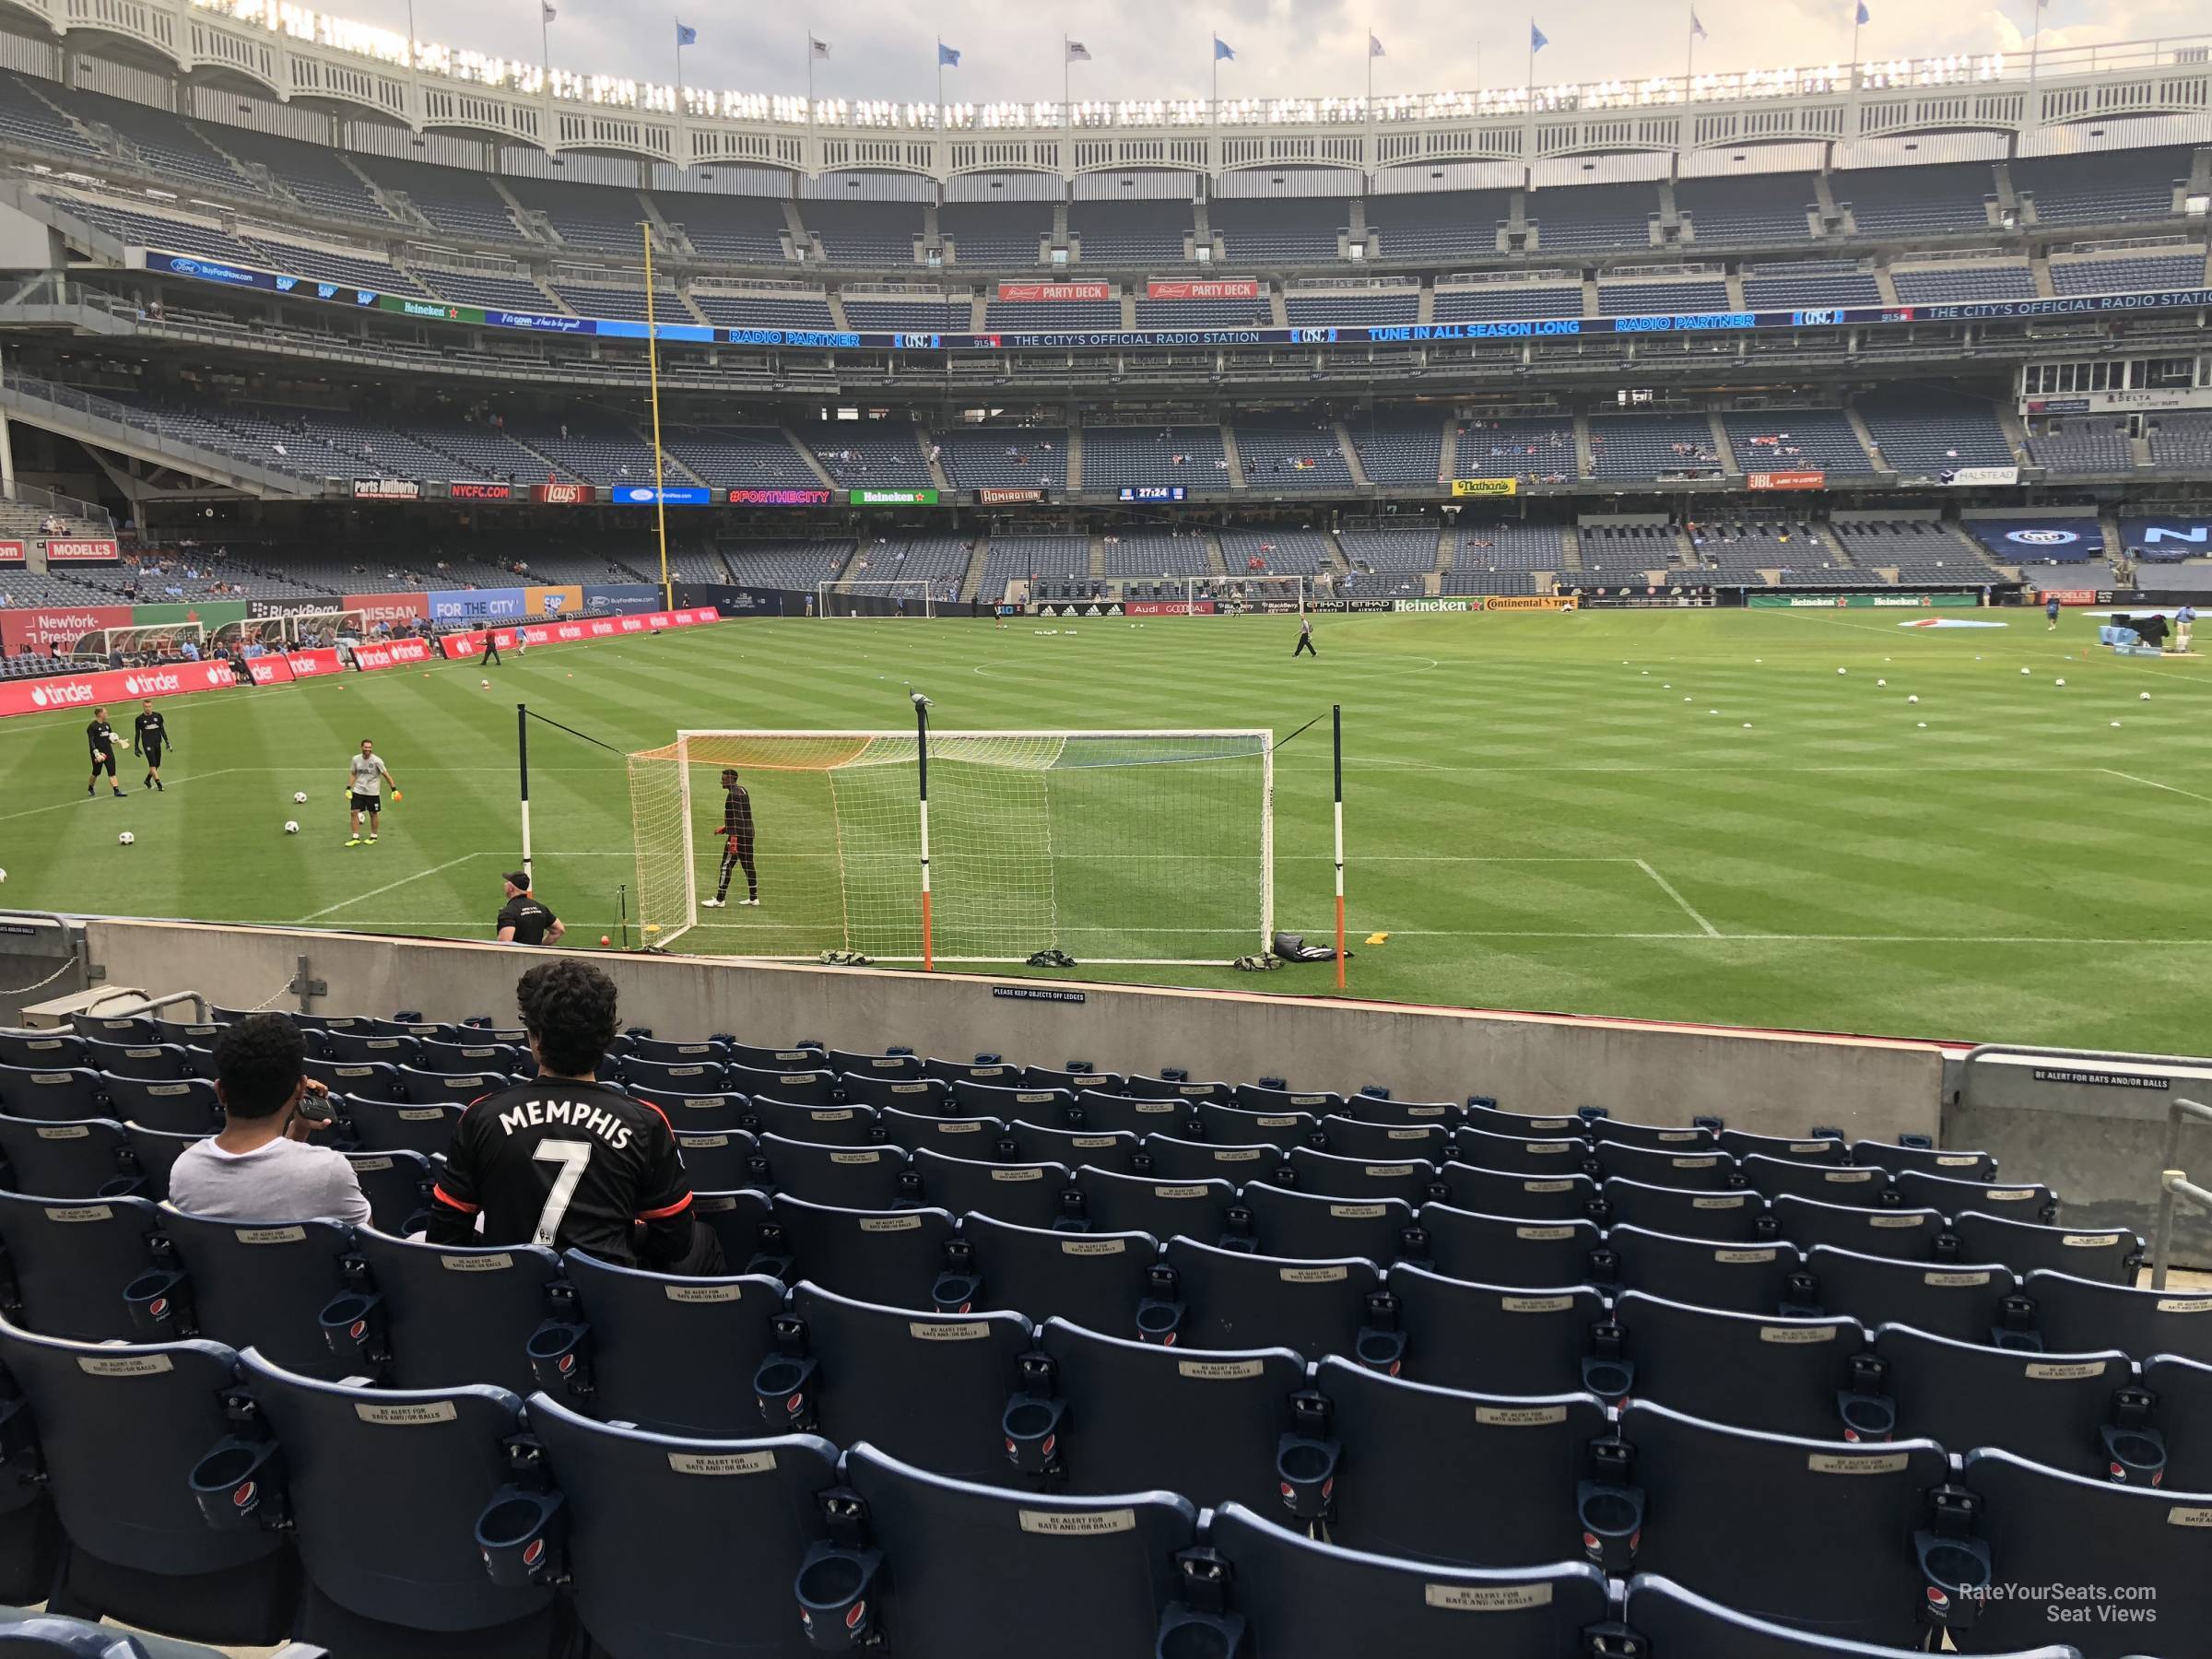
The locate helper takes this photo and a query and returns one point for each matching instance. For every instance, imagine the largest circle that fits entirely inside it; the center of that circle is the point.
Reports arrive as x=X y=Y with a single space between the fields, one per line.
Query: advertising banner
x=319 y=604
x=270 y=669
x=672 y=495
x=780 y=498
x=2179 y=537
x=1979 y=474
x=561 y=495
x=318 y=664
x=1486 y=487
x=622 y=597
x=1435 y=605
x=1862 y=601
x=2063 y=538
x=463 y=647
x=1054 y=292
x=57 y=625
x=476 y=605
x=369 y=656
x=1530 y=602
x=386 y=608
x=1785 y=480
x=998 y=497
x=462 y=490
x=387 y=489
x=552 y=601
x=111 y=685
x=11 y=553
x=1169 y=607
x=1233 y=288
x=890 y=498
x=211 y=615
x=2071 y=596
x=81 y=552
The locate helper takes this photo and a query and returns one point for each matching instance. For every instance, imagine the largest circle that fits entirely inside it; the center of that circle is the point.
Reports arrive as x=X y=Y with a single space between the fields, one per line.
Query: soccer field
x=1682 y=814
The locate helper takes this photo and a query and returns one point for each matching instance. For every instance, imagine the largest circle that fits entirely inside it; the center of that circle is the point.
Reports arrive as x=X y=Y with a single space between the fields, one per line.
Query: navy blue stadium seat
x=931 y=1387
x=1782 y=1376
x=1233 y=1127
x=1850 y=1186
x=1303 y=1599
x=2078 y=1314
x=1653 y=1137
x=114 y=1028
x=1551 y=1156
x=1092 y=1280
x=54 y=1049
x=1507 y=1250
x=1673 y=1620
x=153 y=1153
x=118 y=1430
x=973 y=1138
x=454 y=1089
x=1712 y=1171
x=1495 y=1339
x=1927 y=1160
x=1904 y=1235
x=1286 y=1223
x=1034 y=1143
x=1521 y=1125
x=1171 y=1158
x=397 y=1185
x=1021 y=1194
x=1349 y=1137
x=55 y=1097
x=187 y=1033
x=859 y=1177
x=63 y=1160
x=1968 y=1301
x=68 y=1265
x=1374 y=1108
x=773 y=1059
x=1229 y=1298
x=1811 y=1149
x=463 y=1058
x=422 y=1031
x=896 y=1093
x=734 y=1218
x=676 y=1356
x=388 y=1488
x=1067 y=1077
x=366 y=1081
x=2081 y=1412
x=1192 y=1092
x=1436 y=1475
x=684 y=1076
x=1412 y=1181
x=1739 y=1278
x=842 y=1061
x=2028 y=1201
x=260 y=1285
x=1197 y=1209
x=822 y=1126
x=426 y=1129
x=1276 y=1102
x=360 y=1048
x=647 y=1591
x=2180 y=1391
x=1106 y=1114
x=698 y=1113
x=1566 y=1196
x=869 y=1255
x=995 y=1072
x=1206 y=1424
x=1047 y=1108
x=187 y=1105
x=797 y=1087
x=2110 y=1254
x=1685 y=1212
x=663 y=1051
x=717 y=1160
x=439 y=1315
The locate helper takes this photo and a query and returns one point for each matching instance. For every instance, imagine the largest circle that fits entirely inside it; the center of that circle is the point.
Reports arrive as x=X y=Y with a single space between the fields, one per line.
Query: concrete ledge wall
x=1768 y=1083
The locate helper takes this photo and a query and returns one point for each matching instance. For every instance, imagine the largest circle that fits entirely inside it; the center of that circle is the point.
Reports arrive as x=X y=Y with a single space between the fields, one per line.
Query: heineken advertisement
x=210 y=614
x=1861 y=601
x=892 y=498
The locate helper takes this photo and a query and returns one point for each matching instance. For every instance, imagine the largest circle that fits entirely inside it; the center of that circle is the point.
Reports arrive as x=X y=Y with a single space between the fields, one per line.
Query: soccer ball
x=486 y=683
x=2058 y=682
x=2024 y=671
x=126 y=838
x=290 y=827
x=1881 y=682
x=298 y=797
x=2 y=874
x=2146 y=696
x=1842 y=671
x=1911 y=699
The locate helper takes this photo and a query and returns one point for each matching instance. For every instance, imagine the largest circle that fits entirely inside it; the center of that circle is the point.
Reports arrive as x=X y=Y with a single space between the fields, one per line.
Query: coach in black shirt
x=524 y=921
x=565 y=1162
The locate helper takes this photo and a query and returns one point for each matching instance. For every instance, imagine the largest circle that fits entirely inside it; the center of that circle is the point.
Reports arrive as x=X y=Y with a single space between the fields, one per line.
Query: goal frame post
x=681 y=743
x=887 y=587
x=1191 y=584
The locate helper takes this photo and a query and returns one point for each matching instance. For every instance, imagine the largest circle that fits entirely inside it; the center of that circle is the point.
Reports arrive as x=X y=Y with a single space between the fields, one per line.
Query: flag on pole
x=1866 y=17
x=821 y=48
x=1077 y=53
x=546 y=10
x=1374 y=47
x=1536 y=42
x=1695 y=28
x=686 y=35
x=1223 y=49
x=946 y=57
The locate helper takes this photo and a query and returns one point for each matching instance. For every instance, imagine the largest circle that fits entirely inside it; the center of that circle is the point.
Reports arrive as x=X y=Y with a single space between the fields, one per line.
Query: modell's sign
x=387 y=489
x=81 y=552
x=479 y=492
x=1785 y=480
x=1235 y=287
x=561 y=495
x=1022 y=293
x=11 y=553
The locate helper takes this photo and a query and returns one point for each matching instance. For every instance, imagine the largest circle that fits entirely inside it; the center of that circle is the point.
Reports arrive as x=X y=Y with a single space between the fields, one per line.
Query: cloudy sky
x=1159 y=48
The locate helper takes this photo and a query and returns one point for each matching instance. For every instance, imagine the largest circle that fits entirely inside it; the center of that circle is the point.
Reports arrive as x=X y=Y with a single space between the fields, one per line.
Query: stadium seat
x=2047 y=1527
x=153 y=1061
x=682 y=1077
x=1233 y=1126
x=1034 y=1143
x=1196 y=1209
x=735 y=1220
x=1047 y=1108
x=366 y=1081
x=389 y=1490
x=794 y=1087
x=118 y=1431
x=1561 y=1197
x=921 y=1095
x=1349 y=1137
x=1556 y=1156
x=52 y=1096
x=1378 y=1108
x=1927 y=1160
x=152 y=1154
x=1780 y=1376
x=1904 y=1235
x=1411 y=1181
x=1706 y=1171
x=1097 y=1574
x=992 y=1072
x=646 y=1592
x=792 y=1059
x=391 y=1126
x=2018 y=1201
x=718 y=1160
x=676 y=1356
x=62 y=1161
x=355 y=1048
x=933 y=1389
x=1673 y=1620
x=1020 y=1195
x=859 y=1177
x=870 y=1255
x=459 y=1059
x=397 y=1185
x=1736 y=1278
x=1817 y=1535
x=1653 y=1137
x=1814 y=1149
x=2075 y=1316
x=2181 y=1393
x=67 y=1265
x=1521 y=1125
x=697 y=1113
x=42 y=1049
x=1074 y=1081
x=1303 y=1226
x=1171 y=1158
x=184 y=1106
x=1278 y=1103
x=1685 y=1212
x=1305 y=1599
x=1847 y=1186
x=419 y=1315
x=1504 y=1250
x=1967 y=1301
x=1494 y=1339
x=2081 y=1412
x=662 y=1051
x=1092 y=1280
x=421 y=1030
x=1435 y=1475
x=449 y=1089
x=195 y=1033
x=128 y=1028
x=2109 y=1254
x=850 y=1061
x=258 y=1284
x=1227 y=1299
x=1098 y=1113
x=977 y=1140
x=1134 y=1418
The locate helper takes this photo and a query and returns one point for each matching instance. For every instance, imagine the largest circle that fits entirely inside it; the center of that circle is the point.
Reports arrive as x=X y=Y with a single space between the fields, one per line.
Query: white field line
x=1688 y=910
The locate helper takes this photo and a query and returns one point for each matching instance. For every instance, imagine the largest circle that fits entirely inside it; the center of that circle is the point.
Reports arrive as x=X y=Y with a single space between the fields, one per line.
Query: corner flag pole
x=1336 y=724
x=653 y=363
x=922 y=759
x=522 y=761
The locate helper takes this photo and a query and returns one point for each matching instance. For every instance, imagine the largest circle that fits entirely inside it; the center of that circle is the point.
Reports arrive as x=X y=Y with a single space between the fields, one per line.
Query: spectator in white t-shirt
x=260 y=1167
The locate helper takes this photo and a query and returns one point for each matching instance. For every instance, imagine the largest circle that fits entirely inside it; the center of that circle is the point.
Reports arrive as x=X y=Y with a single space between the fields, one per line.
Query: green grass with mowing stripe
x=1682 y=814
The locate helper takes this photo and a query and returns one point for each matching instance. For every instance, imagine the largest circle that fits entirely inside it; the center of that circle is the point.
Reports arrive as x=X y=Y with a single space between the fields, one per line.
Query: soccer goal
x=1112 y=846
x=1227 y=595
x=901 y=597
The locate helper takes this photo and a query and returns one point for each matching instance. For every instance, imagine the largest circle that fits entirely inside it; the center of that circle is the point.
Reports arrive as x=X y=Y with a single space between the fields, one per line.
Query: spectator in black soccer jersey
x=524 y=921
x=563 y=1160
x=149 y=736
x=100 y=735
x=737 y=824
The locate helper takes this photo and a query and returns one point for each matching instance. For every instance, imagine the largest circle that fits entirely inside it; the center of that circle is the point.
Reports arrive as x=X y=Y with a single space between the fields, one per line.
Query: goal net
x=1112 y=846
x=899 y=597
x=1239 y=592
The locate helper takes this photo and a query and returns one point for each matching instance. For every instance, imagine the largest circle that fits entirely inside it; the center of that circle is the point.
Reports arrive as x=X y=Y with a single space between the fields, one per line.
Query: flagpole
x=1370 y=68
x=679 y=66
x=1528 y=156
x=1689 y=62
x=2035 y=50
x=1067 y=103
x=939 y=123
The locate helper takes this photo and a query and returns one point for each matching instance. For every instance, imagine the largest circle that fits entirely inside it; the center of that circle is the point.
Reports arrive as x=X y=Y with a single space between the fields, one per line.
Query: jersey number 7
x=574 y=1157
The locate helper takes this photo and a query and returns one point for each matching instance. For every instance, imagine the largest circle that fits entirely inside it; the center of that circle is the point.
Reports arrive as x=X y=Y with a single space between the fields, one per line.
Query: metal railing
x=2174 y=1182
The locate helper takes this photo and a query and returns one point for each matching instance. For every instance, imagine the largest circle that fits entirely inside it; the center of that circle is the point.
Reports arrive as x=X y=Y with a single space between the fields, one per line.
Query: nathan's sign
x=1053 y=293
x=1234 y=288
x=1486 y=487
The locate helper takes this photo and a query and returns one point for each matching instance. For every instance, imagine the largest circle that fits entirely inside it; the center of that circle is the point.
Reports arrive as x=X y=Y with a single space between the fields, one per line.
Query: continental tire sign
x=1530 y=602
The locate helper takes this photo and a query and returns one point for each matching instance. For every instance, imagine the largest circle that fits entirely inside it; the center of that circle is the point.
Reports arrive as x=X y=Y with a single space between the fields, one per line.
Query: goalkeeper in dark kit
x=738 y=849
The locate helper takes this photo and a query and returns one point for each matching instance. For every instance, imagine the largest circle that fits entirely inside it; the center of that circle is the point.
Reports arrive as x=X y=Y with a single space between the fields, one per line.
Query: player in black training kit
x=737 y=824
x=565 y=1162
x=149 y=736
x=101 y=736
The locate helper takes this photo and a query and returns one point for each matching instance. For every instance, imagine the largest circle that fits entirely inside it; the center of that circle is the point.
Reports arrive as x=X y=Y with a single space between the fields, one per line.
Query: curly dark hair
x=257 y=1062
x=569 y=1008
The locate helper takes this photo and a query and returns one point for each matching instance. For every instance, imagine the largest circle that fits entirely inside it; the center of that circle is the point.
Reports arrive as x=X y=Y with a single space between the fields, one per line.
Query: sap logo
x=2044 y=538
x=2196 y=536
x=60 y=694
